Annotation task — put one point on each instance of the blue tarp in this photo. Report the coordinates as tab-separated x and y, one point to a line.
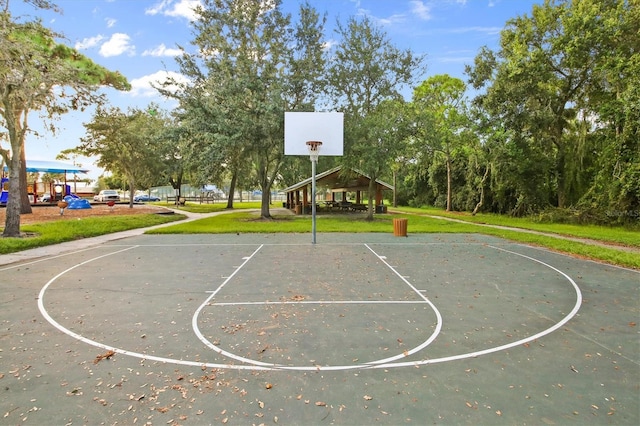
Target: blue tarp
78	204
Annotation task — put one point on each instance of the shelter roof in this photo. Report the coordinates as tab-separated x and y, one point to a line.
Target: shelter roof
52	167
335	180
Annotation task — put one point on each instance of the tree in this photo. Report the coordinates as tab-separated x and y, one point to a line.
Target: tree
367	70
614	122
125	143
32	64
252	65
544	77
442	118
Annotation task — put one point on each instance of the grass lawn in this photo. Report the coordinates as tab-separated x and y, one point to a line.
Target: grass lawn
48	233
420	221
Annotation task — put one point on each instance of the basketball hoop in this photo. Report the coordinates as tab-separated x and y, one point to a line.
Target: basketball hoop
314	150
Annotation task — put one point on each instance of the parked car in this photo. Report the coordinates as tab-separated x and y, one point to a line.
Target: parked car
107	195
143	198
45	198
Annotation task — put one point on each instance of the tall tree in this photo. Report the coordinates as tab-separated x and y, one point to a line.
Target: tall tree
252	65
614	121
442	118
544	76
366	70
32	64
129	144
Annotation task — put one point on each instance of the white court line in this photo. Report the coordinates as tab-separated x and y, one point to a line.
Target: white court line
404	354
265	366
543	333
196	314
81	338
322	302
436	332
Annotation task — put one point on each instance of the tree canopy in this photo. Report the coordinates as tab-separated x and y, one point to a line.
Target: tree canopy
37	73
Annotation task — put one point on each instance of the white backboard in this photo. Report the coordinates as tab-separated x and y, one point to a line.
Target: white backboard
326	127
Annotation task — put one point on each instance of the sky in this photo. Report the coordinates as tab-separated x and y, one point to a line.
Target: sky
139	38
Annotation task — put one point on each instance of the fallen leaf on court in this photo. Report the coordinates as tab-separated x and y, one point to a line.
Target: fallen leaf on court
574	369
368	398
632	324
260	404
162	409
105	355
268	385
321	404
499	412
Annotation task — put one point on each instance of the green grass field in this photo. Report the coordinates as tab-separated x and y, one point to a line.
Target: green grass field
245	219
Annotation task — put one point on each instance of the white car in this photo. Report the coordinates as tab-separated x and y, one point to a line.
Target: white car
107	195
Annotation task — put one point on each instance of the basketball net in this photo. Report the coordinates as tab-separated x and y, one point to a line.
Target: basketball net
314	150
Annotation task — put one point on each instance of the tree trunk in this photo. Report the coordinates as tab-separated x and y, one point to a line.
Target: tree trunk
484	178
232	190
12	213
264	208
395	188
562	181
132	190
25	204
372	196
448	184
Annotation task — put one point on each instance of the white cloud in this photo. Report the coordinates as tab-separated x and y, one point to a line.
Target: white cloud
117	45
421	10
87	43
110	22
393	19
162	51
142	87
175	8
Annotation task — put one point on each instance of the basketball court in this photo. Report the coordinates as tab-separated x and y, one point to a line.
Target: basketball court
356	329
353	329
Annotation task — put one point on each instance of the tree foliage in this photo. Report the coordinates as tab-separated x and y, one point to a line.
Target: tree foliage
442	121
37	73
252	64
365	78
555	85
128	144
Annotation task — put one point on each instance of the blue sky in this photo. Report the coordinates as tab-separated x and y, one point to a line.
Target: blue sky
139	38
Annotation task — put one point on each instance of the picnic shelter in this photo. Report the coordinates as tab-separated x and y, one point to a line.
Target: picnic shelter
333	189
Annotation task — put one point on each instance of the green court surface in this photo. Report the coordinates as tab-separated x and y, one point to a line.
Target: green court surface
357	329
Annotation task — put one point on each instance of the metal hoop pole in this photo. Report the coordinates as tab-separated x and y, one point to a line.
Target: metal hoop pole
314	152
314	161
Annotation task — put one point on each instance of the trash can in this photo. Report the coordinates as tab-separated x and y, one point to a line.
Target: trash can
400	227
